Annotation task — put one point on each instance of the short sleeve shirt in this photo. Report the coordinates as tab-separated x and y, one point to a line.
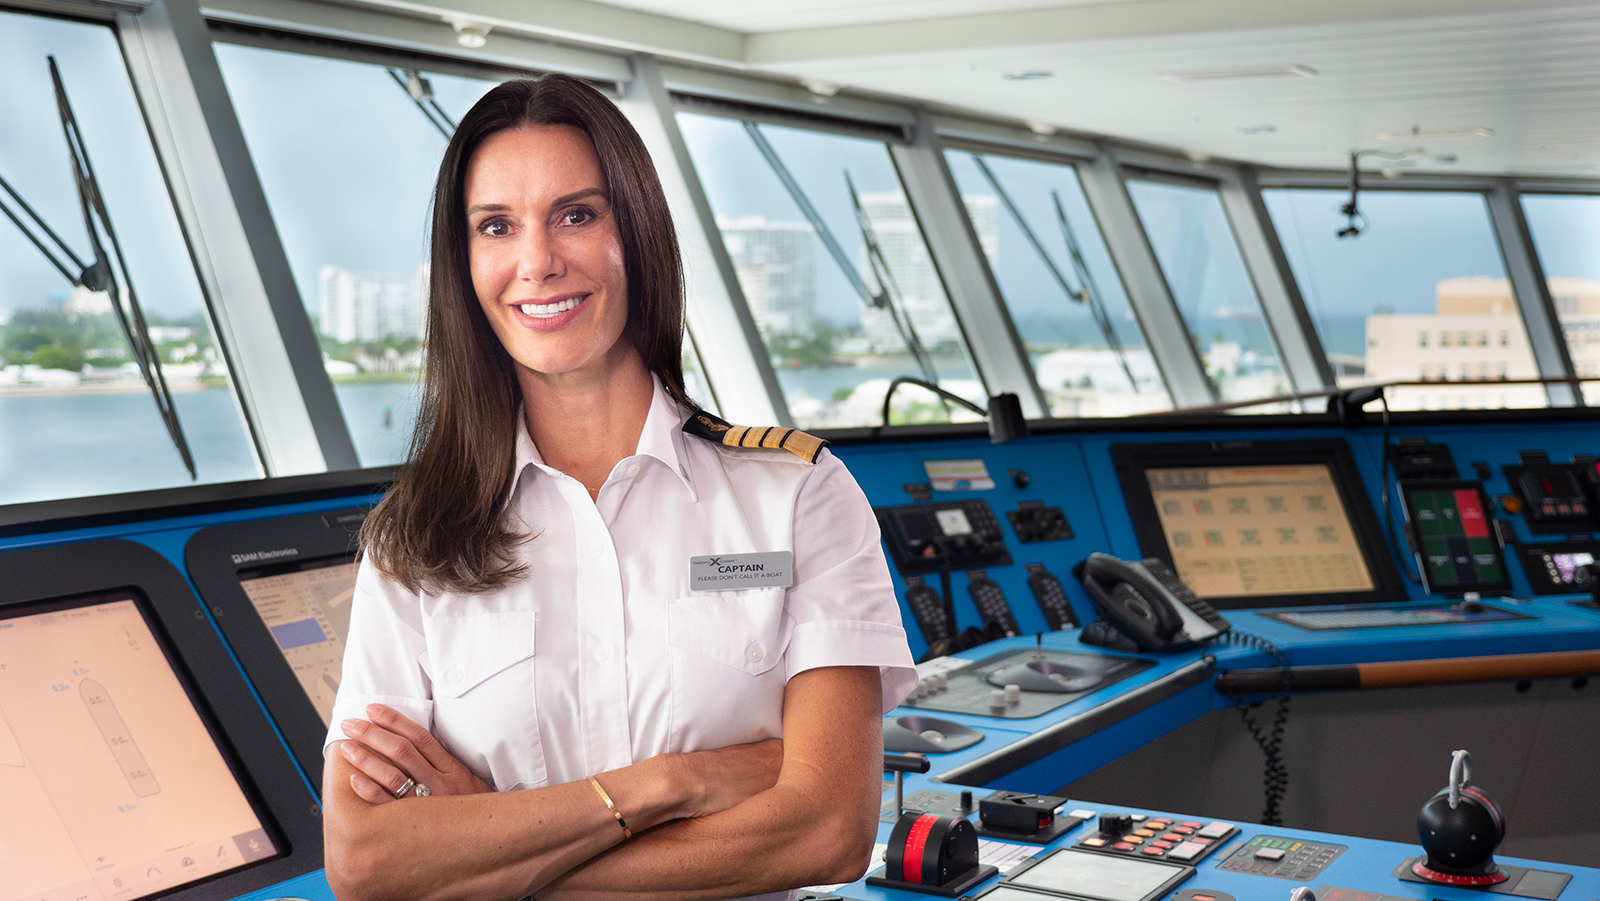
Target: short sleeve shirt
603	655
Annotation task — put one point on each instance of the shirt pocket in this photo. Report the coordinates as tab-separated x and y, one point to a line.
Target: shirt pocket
727	681
483	671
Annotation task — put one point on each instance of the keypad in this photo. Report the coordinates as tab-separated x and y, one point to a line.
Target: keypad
1161	837
1282	858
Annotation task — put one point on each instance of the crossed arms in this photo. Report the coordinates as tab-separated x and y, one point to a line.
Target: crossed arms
713	824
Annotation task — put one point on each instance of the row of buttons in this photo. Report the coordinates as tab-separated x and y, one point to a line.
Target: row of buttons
1161	837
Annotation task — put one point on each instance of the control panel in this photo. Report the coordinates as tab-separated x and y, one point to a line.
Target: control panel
926	538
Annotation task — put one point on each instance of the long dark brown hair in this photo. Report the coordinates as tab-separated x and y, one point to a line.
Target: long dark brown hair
442	526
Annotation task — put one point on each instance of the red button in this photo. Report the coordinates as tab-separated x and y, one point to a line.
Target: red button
1183	830
1190	823
1159	824
1153	852
1201	841
1172	837
1123	846
1162	845
1199	897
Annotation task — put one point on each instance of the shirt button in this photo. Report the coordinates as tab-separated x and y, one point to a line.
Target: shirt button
455	675
603	653
755	652
597	549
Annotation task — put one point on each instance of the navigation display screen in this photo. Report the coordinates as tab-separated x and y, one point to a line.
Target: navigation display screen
1456	548
1105	877
111	786
1250	531
306	607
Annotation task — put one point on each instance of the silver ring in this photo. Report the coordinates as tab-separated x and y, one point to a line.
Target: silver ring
422	790
405	788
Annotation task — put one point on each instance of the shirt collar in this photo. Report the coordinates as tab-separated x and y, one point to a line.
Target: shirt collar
662	438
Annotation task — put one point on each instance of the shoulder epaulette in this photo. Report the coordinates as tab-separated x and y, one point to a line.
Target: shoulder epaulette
719	431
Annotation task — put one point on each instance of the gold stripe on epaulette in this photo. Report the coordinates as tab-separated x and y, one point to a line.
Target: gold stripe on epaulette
711	428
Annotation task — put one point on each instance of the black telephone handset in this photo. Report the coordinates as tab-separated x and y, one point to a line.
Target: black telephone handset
1148	603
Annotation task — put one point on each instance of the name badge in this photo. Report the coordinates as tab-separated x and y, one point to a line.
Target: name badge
728	571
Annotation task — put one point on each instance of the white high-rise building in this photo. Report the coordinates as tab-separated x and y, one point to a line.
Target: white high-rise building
912	269
371	306
776	263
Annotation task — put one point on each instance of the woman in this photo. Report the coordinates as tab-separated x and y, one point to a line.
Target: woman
528	614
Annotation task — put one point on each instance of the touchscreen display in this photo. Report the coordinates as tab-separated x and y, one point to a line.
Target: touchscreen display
1456	548
306	607
1566	565
1244	531
111	787
1099	876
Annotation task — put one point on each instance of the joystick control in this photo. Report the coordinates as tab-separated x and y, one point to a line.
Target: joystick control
1460	827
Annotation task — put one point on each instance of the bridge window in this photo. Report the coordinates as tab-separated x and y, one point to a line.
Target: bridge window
347	153
1565	227
1060	287
834	269
1205	271
78	416
1426	261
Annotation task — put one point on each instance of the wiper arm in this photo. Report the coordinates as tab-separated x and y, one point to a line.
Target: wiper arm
42	226
1091	292
421	94
99	276
880	299
891	290
1084	293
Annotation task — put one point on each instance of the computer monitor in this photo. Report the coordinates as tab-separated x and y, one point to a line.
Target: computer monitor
280	589
1259	523
133	761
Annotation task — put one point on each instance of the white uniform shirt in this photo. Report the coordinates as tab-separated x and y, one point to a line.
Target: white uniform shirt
602	656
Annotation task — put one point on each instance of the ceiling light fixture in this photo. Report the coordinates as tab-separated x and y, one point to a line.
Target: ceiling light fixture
1192	75
1258	129
1042	129
469	33
1028	75
819	87
1415	132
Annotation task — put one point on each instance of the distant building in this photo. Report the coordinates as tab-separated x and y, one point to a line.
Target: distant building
1474	338
367	306
912	269
776	263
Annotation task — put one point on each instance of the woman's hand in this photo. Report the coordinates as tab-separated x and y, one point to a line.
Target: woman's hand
391	749
727	776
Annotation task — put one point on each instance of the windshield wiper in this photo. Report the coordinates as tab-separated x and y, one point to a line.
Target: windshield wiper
882	299
99	275
1086	293
421	93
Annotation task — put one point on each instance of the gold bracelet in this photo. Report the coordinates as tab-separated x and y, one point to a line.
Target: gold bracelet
626	832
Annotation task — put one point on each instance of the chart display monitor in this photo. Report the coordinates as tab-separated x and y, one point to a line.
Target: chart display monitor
1261	524
1101	877
306	607
113	786
1452	531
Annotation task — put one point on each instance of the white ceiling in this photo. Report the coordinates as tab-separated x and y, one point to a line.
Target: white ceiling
1528	70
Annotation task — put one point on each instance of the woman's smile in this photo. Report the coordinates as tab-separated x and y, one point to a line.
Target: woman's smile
550	315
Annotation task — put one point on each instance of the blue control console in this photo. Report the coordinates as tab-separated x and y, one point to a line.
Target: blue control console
968	545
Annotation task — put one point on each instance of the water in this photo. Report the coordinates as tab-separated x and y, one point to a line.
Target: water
83	443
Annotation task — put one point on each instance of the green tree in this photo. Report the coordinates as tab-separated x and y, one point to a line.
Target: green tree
54	356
